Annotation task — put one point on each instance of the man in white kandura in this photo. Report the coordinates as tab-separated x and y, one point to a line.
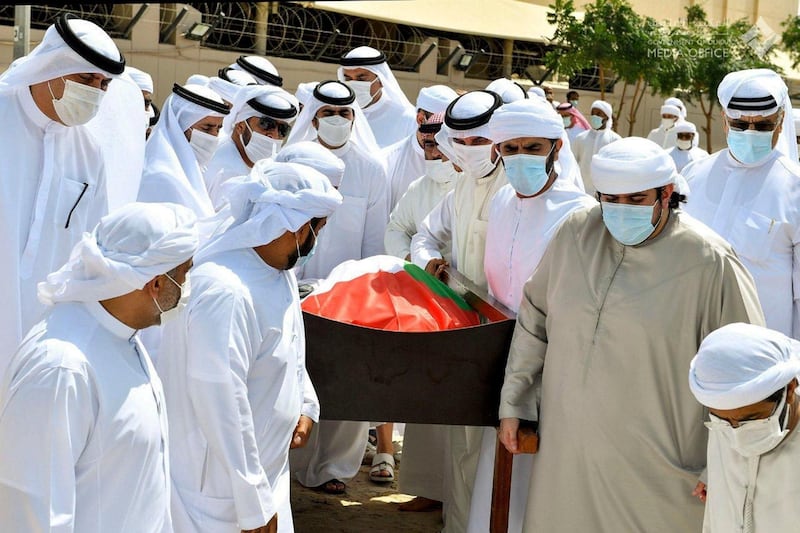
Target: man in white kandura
83	427
523	217
749	193
389	113
461	218
54	175
591	141
747	378
180	147
235	379
333	119
258	124
685	150
606	328
664	134
405	159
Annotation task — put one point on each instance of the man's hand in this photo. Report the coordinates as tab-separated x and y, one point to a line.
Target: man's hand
700	491
301	432
508	434
271	527
435	267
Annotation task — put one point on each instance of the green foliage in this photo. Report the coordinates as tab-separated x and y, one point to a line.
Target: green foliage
790	39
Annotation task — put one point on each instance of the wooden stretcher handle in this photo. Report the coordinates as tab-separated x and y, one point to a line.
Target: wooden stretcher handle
528	442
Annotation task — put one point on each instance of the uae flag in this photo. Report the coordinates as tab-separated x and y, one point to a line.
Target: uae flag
388	293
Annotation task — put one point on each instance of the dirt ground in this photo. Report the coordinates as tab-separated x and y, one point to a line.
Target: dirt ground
364	507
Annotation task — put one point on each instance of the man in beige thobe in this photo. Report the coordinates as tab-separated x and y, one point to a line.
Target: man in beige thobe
609	322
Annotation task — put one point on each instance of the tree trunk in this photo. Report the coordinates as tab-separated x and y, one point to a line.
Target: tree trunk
632	112
635	107
602	83
707	114
618	114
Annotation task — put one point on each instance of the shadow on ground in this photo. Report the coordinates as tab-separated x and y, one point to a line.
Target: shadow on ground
365	507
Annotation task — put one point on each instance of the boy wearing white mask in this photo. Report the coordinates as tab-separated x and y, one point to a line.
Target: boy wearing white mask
259	123
685	150
391	116
530	137
591	141
331	118
747	378
749	193
54	172
181	145
596	327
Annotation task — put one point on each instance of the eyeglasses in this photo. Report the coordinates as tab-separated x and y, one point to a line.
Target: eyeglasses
267	124
742	125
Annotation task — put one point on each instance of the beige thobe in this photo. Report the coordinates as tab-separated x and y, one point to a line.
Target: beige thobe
611	329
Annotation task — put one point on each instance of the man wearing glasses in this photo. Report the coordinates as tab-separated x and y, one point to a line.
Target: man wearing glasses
749	193
259	122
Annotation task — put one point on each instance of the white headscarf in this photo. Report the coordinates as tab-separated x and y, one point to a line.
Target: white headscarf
668	109
260	68
508	90
316	156
168	155
677	103
605	107
269	95
228	89
537	92
391	89
141	78
304	91
361	134
53	57
535	117
436	98
685	127
273	199
755	83
796	119
466	106
197	79
634	164
742	364
127	249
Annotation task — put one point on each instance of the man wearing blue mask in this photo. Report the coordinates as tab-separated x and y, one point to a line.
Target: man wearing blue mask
747	378
235	379
592	140
524	215
616	309
749	193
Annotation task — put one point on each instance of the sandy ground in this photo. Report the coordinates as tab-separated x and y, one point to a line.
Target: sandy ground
364	507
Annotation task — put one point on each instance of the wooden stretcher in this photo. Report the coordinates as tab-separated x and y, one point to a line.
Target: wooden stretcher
448	377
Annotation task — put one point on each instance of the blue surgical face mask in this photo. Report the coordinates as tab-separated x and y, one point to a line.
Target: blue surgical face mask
574	103
303	259
596	122
750	146
527	173
629	224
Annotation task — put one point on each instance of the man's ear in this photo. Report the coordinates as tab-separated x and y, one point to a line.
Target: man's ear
153	287
315	123
557	148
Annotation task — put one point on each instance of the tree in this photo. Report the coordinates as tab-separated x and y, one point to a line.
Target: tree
714	51
620	43
790	39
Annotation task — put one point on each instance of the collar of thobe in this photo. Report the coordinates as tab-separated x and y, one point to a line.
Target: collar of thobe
108	321
32	110
342	150
264	267
377	107
767	160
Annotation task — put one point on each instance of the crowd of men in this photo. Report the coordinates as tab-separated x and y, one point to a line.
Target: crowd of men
152	362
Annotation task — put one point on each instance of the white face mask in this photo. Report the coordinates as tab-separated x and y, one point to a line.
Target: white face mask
440	171
475	160
260	146
171	314
683	145
667	123
79	103
754	437
204	145
362	90
334	130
